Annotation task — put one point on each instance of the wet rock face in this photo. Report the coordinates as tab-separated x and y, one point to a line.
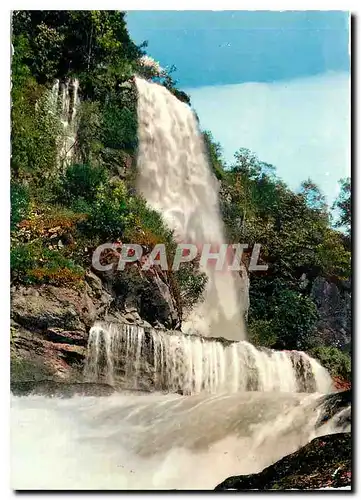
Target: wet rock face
49	329
50	325
336	407
324	462
60	389
334	306
145	294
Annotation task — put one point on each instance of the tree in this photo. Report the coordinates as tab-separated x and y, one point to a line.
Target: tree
343	206
214	153
94	45
315	199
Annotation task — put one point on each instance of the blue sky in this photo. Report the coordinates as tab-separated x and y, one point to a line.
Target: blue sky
274	82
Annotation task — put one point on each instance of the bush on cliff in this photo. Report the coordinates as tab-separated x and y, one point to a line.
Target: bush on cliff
20	202
32	263
337	363
80	181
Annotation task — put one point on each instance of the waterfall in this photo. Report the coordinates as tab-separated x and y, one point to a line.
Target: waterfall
175	179
128	355
64	102
215	406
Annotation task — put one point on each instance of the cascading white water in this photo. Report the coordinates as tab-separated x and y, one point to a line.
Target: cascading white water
190	364
175	179
64	101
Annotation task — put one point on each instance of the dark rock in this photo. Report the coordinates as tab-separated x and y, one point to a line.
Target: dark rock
333	301
50	326
60	336
50	307
59	389
332	406
324	462
33	354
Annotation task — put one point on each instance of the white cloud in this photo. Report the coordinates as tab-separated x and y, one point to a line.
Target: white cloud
300	126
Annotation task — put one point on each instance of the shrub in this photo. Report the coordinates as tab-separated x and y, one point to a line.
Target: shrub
81	182
89	132
57	276
282	314
262	333
338	363
150	227
20	203
22	259
190	283
120	127
109	213
31	263
50	221
35	134
295	319
116	215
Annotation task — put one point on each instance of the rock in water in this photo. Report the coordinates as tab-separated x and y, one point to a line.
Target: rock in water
324	462
336	408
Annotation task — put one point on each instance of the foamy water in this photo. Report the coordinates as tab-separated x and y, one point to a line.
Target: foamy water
154	441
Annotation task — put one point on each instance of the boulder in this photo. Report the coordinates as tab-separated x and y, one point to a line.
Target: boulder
324	462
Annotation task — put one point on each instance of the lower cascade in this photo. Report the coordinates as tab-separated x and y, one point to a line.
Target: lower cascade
146	358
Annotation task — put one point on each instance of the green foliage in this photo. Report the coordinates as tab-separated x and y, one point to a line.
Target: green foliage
108	214
105	130
334	360
20	72
81	182
262	333
281	317
191	284
313	196
92	44
22	259
35	134
151	220
115	215
34	263
343	205
20	201
333	256
294	320
119	127
89	133
293	229
214	153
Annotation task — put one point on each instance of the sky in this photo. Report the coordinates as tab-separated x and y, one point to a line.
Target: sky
273	82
